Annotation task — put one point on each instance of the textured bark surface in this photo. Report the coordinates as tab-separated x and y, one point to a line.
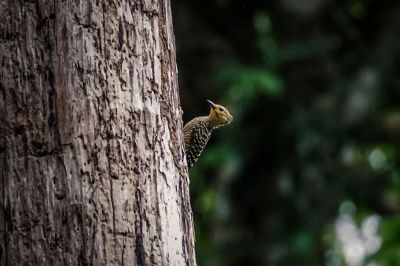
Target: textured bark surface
92	166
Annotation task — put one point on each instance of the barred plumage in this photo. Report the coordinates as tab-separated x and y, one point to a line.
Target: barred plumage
198	131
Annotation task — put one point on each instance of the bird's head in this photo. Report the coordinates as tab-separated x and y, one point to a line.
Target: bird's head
219	115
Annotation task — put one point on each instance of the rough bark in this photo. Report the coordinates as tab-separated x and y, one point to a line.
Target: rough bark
92	166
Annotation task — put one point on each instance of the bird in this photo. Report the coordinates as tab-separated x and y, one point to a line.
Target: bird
198	131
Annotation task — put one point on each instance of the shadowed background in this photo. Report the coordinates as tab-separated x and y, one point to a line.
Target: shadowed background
308	173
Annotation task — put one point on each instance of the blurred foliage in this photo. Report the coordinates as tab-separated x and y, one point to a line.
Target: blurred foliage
315	90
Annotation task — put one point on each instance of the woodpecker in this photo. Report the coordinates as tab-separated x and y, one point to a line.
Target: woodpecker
197	132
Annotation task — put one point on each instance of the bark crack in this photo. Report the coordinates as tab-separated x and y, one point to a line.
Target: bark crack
106	98
112	201
139	248
4	206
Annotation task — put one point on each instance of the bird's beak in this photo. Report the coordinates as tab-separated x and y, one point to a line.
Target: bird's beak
211	104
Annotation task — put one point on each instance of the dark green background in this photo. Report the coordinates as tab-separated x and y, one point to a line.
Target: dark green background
315	90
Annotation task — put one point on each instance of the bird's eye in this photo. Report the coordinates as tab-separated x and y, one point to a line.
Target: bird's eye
220	109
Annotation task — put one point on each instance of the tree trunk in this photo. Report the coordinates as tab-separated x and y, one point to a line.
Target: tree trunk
92	164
